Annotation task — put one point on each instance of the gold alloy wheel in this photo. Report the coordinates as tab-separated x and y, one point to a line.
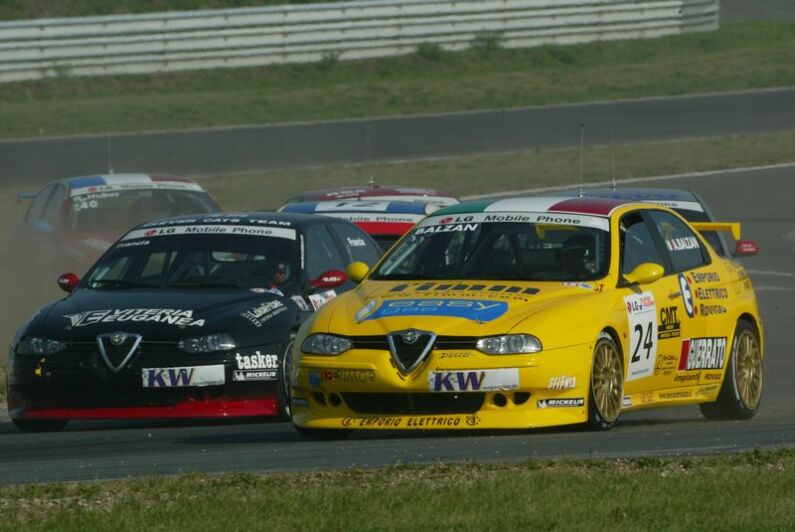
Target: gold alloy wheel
748	369
607	381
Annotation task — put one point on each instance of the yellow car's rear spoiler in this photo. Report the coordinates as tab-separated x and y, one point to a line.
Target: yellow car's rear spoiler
733	227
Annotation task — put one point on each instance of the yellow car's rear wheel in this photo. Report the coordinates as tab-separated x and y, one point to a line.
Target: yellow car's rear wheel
741	392
607	384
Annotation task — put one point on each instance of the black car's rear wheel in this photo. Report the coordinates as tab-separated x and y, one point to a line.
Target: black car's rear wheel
39	425
607	384
741	391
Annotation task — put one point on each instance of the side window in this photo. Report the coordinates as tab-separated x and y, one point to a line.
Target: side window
52	211
37	208
682	244
637	244
356	244
321	252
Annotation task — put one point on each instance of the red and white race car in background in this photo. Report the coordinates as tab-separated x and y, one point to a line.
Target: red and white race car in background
72	221
377	193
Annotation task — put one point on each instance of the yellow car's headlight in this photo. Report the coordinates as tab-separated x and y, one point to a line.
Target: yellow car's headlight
325	344
509	344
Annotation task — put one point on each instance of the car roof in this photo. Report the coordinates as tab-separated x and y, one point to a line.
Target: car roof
540	204
358	206
355	192
121	179
667	197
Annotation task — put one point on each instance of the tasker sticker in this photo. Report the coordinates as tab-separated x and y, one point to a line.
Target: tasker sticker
687	295
642	321
160	315
262	313
318	300
480	310
702	353
182	377
562	383
574	402
474	381
257	361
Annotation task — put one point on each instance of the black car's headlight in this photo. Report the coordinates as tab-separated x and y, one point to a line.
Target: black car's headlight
33	345
509	344
325	344
207	344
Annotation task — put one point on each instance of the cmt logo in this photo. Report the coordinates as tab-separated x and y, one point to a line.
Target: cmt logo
458	381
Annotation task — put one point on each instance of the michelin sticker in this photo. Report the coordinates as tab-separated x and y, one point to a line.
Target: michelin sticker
480	310
642	324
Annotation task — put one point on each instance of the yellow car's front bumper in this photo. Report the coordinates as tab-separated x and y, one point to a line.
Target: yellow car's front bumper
363	389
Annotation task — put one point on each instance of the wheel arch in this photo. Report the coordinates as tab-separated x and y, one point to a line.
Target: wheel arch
751	319
613	333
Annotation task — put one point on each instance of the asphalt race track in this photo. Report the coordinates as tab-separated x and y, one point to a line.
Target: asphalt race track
761	199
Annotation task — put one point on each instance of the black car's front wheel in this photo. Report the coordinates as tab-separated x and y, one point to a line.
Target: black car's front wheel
285	368
39	425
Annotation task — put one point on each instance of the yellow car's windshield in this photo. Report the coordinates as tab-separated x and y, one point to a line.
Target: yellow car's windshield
499	251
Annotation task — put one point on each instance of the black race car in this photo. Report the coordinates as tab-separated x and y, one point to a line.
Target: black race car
185	317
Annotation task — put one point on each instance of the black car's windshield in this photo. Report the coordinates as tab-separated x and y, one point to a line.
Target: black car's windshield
199	260
118	210
500	250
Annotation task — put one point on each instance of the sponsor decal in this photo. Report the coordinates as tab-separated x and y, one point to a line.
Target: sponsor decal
474	381
642	324
133	244
260	290
361	205
711	310
682	244
448	228
646	398
670	326
183	318
257	361
364	312
299	402
263	312
202	229
480	310
682	394
183	377
346	376
452	354
301	303
708	390
414	422
356	242
134	185
702	353
264	375
687	377
500	291
318	300
584	286
710	376
568	402
705	277
687	295
562	383
665	364
712	293
626	402
597	222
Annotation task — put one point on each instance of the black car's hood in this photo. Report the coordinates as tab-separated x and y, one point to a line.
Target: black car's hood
166	314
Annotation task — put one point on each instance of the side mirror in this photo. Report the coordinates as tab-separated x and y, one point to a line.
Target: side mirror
645	273
68	282
330	279
746	248
357	271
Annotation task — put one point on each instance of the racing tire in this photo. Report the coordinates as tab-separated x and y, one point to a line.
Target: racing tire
323	434
39	425
283	384
606	388
741	392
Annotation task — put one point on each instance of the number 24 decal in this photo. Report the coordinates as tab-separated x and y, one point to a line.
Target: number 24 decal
644	337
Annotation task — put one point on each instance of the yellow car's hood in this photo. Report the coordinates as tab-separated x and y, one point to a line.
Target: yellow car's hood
456	308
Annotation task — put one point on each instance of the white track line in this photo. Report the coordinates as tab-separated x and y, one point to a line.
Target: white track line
773	289
620	182
775	274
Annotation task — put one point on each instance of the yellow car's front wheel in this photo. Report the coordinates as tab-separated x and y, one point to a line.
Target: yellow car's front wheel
607	384
741	392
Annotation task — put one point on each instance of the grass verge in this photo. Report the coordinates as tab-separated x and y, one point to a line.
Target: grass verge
428	81
517	171
744	492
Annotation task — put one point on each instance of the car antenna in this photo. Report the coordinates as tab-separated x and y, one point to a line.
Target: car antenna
582	150
613	157
110	155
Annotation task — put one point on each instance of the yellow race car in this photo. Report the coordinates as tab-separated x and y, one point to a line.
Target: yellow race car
533	312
